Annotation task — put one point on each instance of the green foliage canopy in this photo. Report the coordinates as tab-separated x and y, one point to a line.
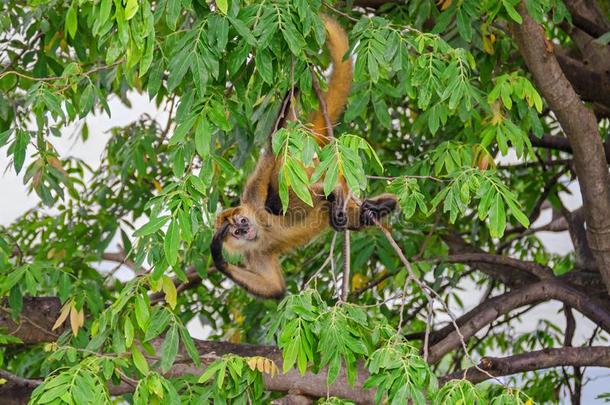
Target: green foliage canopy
438	93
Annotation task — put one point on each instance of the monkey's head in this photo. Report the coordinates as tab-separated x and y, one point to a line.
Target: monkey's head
237	231
240	232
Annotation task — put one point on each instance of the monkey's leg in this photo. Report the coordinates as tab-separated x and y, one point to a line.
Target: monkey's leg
264	280
258	184
255	192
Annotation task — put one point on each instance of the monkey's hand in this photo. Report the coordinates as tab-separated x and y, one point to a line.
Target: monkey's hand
374	209
216	247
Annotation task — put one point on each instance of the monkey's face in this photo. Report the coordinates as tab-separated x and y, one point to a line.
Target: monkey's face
238	230
241	228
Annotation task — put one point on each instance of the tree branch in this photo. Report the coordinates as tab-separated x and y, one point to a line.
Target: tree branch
309	384
590	84
588	17
508	275
470	323
580	126
35	321
566	356
533	268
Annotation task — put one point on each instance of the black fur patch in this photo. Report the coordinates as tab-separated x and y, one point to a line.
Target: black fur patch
273	204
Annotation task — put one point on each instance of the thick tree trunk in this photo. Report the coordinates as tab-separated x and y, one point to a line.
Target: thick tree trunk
580	126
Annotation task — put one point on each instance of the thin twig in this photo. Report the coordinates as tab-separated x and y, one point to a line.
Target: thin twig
169	120
346	256
407	176
54	78
23	51
128	380
349	17
332	266
346	265
402	305
428	328
428	291
326	262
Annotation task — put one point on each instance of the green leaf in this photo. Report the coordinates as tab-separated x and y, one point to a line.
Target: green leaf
223	6
147	58
333	370
189	345
510	9
152	226
299	181
71	21
173	12
19	148
169	289
200	73
141	311
225	165
131	8
172	243
129	332
497	219
169	349
178	67
139	360
210	371
198	184
203	136
158	322
517	213
181	130
105	7
86	100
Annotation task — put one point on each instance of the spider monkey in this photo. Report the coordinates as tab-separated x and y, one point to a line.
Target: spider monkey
257	230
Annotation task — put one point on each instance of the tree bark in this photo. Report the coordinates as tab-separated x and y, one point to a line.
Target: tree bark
598	356
35	322
580	126
587	16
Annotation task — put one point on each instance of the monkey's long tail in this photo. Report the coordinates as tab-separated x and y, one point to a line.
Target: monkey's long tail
340	80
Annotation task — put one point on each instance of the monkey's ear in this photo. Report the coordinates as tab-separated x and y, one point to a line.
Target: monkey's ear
225	215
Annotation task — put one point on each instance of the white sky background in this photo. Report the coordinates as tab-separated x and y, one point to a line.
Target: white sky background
16	201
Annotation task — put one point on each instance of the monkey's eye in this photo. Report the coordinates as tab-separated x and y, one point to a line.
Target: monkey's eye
243	220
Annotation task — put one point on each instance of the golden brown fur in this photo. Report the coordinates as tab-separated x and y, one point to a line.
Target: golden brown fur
258	232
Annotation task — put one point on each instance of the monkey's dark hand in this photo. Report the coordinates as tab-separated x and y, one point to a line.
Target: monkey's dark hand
374	209
216	247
